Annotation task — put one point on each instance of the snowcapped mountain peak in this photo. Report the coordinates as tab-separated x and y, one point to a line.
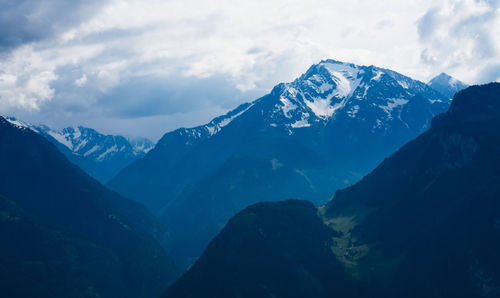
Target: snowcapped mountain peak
333	89
89	143
102	156
324	88
446	84
445	78
330	76
329	93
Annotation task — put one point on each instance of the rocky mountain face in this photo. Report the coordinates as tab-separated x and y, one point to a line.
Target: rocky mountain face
424	223
64	234
101	156
304	140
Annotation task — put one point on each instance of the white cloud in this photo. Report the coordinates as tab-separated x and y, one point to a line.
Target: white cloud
81	81
27	94
27	74
25	80
461	37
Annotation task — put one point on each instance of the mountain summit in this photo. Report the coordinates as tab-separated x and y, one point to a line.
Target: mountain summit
446	84
328	92
332	90
304	140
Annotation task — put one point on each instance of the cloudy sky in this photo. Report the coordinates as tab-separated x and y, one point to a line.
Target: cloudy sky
144	67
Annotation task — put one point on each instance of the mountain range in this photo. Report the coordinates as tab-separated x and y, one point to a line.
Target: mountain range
417	225
101	156
64	234
424	223
305	139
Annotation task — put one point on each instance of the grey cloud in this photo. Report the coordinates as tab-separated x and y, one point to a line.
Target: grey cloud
136	96
150	63
460	36
490	73
24	21
146	106
146	96
427	57
427	24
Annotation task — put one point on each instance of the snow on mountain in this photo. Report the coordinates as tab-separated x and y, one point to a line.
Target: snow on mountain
446	85
329	92
140	145
61	138
218	123
89	143
19	123
331	88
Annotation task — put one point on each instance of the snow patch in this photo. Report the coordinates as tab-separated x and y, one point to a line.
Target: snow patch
392	103
345	76
346	80
303	122
366	90
453	82
81	145
353	111
144	148
19	124
403	84
287	106
377	76
214	128
211	130
63	139
325	87
77	133
433	101
323	108
112	149
344	87
92	150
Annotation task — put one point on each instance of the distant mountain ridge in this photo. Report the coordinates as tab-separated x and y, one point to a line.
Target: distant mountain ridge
317	134
424	223
102	156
